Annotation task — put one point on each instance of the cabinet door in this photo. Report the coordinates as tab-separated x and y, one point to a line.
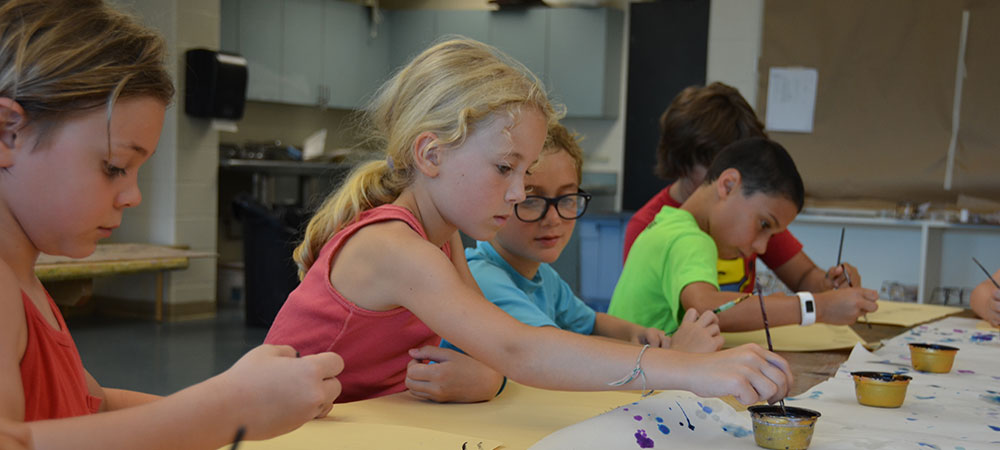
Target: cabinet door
302	51
584	60
522	35
472	24
410	32
260	42
229	26
354	63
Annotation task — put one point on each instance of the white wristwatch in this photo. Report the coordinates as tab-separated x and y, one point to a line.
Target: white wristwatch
808	307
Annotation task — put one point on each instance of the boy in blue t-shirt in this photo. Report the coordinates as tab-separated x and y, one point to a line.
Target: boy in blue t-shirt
513	272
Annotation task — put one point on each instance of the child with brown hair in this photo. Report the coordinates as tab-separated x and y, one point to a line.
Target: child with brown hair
83	94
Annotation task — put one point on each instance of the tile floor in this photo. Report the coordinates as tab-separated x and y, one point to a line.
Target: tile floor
163	358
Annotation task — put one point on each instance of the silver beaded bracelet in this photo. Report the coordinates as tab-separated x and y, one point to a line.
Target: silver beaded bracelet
636	372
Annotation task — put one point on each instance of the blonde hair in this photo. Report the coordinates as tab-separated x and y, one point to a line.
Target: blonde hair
449	89
560	138
59	57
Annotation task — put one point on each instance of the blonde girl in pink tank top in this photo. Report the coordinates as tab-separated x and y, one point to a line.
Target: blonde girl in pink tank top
460	126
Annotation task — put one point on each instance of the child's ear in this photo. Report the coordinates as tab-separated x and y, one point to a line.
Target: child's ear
427	153
12	119
728	182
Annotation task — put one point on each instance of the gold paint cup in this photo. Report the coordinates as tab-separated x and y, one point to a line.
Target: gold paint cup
882	389
775	429
932	357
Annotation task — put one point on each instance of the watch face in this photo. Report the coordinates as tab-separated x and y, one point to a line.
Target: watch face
809	306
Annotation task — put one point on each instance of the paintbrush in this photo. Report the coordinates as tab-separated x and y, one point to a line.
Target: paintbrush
239	437
731	303
840	251
767	332
987	272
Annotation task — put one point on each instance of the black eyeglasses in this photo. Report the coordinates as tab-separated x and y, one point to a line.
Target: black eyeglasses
535	207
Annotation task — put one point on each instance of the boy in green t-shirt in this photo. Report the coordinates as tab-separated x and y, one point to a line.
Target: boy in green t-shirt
751	192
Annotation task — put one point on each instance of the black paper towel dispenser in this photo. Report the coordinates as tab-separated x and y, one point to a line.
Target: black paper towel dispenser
215	85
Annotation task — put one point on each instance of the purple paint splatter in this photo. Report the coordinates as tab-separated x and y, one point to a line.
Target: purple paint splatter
965	371
637	418
663	429
624	409
642	440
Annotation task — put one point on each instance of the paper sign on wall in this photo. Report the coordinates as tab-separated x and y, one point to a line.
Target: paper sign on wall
791	99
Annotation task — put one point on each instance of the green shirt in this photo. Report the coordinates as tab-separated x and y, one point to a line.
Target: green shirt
671	253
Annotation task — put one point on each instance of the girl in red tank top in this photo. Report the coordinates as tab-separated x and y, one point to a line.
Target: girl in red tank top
83	95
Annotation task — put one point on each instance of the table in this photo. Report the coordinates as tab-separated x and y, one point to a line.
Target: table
523	415
117	259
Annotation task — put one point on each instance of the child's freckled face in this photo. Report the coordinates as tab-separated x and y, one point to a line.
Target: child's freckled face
68	191
483	178
743	224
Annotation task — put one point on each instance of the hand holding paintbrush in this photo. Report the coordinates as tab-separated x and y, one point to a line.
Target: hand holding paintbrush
767	332
973	303
847	275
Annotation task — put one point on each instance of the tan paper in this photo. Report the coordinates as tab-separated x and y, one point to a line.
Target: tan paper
984	325
905	314
336	435
796	338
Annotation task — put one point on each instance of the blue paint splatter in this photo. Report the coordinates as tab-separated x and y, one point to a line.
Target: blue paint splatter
663	429
705	408
923	444
925	398
737	431
911	419
690	427
659	420
637	417
994	428
642	440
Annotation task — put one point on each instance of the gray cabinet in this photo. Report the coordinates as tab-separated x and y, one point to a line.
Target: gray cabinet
321	52
260	42
522	35
354	63
584	60
302	52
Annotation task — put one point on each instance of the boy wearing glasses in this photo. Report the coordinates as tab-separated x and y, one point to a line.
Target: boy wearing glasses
512	271
513	268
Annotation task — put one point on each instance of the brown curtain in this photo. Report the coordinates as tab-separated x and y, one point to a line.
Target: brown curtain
883	118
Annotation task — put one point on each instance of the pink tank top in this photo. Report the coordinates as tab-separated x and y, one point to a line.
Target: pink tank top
52	374
374	344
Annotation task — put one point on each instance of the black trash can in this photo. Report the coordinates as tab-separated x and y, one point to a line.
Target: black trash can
269	237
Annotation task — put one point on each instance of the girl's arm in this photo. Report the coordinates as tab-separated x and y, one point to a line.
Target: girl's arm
623	330
461	265
985	301
838	307
426	283
112	399
268	391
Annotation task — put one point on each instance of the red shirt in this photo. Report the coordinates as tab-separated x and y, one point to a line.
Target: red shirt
374	344
780	248
52	373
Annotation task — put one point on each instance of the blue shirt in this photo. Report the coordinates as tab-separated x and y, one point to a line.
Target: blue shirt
545	300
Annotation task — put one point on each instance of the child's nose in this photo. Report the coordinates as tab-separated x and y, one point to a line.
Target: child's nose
515	193
760	245
129	197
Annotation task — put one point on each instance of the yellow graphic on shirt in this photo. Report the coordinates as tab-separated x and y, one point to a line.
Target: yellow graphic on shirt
732	275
